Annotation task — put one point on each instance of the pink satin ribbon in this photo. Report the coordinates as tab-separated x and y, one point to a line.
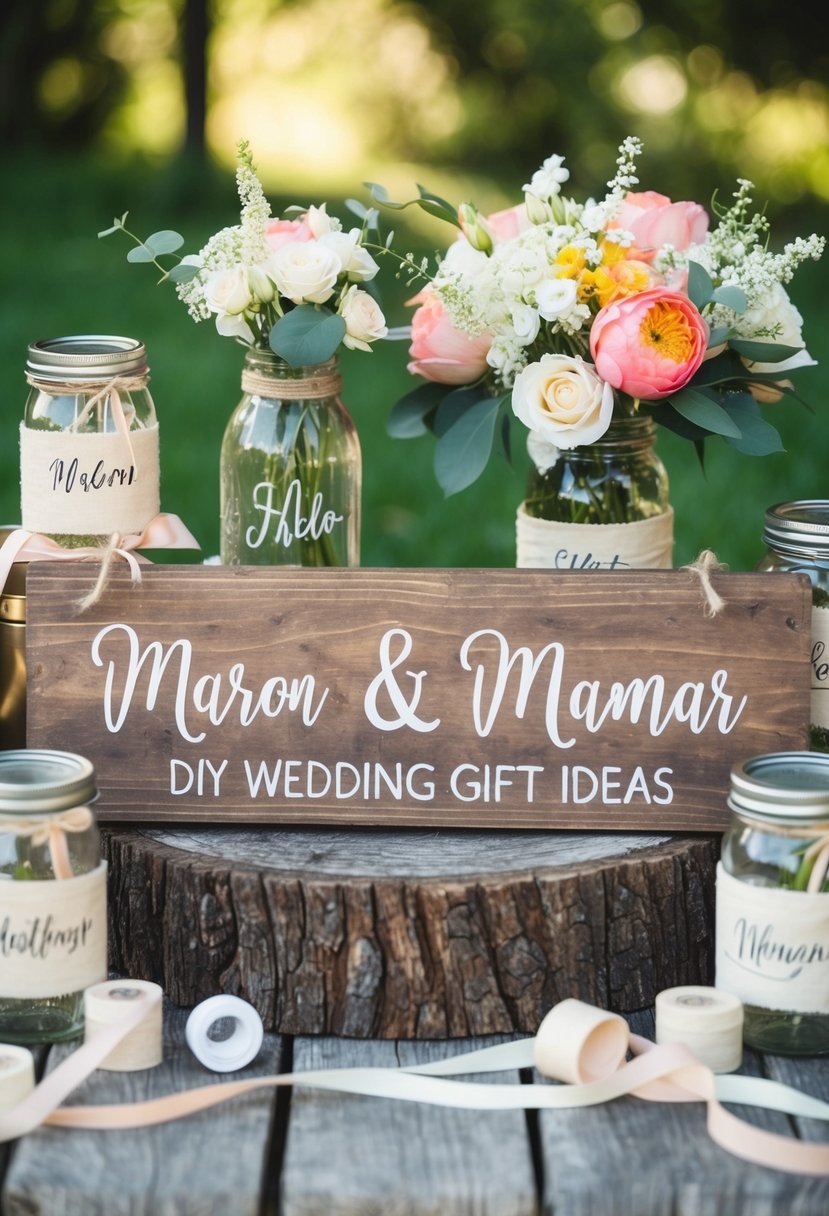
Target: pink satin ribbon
165	531
665	1073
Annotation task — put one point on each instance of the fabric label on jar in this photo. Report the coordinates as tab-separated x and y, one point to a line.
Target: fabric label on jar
88	483
645	544
772	946
820	667
53	935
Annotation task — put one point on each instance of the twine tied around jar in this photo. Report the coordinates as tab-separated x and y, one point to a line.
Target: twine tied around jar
704	566
52	829
112	389
307	388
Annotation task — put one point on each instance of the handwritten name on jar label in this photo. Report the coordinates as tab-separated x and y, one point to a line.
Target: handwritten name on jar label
772	945
53	935
287	520
820	667
551	544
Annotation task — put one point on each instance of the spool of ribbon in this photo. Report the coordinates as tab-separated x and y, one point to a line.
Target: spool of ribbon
707	1020
104	1006
574	1038
17	1074
241	1045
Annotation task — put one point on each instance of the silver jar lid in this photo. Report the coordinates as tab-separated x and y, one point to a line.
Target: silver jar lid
86	357
788	786
33	780
800	528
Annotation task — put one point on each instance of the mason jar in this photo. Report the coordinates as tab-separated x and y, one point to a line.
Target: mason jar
53	939
796	535
89	462
602	505
772	932
290	469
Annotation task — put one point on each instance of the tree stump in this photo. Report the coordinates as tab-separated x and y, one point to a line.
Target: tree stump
411	934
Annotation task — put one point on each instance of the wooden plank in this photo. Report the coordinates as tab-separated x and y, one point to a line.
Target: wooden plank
656	1159
463	698
210	1164
352	1156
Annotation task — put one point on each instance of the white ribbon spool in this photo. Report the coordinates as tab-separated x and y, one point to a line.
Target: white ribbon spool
239	1048
109	1002
17	1074
578	1043
707	1020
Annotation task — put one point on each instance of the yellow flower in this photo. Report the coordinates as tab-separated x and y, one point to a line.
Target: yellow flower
570	262
597	286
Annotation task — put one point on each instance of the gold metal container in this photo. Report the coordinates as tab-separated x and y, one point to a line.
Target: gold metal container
13	655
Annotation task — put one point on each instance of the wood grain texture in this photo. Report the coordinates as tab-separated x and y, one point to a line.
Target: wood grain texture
423	950
458	698
353	1156
210	1164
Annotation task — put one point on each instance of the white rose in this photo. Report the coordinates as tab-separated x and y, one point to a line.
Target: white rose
461	258
777	314
320	222
356	262
234	327
228	291
563	399
364	322
526	323
304	271
556	298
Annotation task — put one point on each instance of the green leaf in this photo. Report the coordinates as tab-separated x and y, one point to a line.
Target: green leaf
183	273
700	286
356	208
732	297
724	367
307	335
431	203
718	335
763	352
704	412
455	404
665	414
462	452
117	226
757	436
140	253
506	436
409	416
164	242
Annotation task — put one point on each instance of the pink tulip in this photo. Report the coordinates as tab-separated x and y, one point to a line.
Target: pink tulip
284	232
648	345
439	351
655	221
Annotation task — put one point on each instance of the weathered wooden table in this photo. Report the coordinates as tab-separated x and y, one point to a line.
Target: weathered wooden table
304	1153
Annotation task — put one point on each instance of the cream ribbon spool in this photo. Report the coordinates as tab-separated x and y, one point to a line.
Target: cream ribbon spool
105	1005
707	1020
17	1074
241	1046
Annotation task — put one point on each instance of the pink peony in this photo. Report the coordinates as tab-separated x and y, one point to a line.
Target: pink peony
655	221
439	351
504	225
648	345
284	232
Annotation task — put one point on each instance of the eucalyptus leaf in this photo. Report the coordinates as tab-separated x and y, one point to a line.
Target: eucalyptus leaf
409	416
140	253
307	335
356	208
183	273
664	413
704	412
732	297
166	241
718	334
462	452
700	286
455	404
430	203
757	436
763	352
506	436
725	367
117	226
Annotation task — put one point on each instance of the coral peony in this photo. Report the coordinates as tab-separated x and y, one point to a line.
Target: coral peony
440	352
655	221
649	345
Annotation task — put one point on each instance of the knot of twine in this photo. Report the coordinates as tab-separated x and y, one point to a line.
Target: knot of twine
262	385
52	830
704	566
114	547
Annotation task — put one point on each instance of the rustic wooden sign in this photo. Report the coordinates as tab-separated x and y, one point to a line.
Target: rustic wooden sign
462	698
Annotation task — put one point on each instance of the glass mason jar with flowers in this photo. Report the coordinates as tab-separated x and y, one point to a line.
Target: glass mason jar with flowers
290	291
590	323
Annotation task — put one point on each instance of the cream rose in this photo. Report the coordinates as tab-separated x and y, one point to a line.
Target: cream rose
305	272
228	291
364	322
563	400
356	262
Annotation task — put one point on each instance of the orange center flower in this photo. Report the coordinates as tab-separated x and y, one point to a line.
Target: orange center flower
668	331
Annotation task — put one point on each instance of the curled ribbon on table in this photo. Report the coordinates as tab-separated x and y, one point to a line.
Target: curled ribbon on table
578	1044
52	829
706	564
165	531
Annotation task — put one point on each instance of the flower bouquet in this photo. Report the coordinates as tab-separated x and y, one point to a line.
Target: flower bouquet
589	322
291	290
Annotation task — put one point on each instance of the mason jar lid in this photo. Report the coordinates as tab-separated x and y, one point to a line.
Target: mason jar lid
801	528
86	357
787	786
33	780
